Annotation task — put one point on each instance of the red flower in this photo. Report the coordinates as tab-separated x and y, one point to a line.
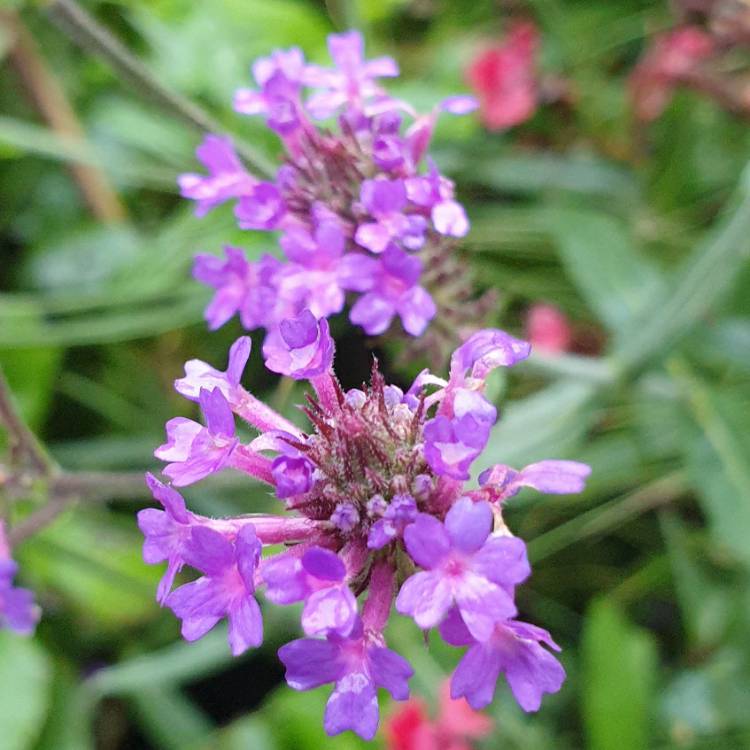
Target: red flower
504	79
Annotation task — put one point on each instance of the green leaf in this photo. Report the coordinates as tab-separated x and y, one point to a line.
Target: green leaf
705	606
718	460
548	424
170	718
619	667
96	564
70	716
535	172
252	731
25	678
702	282
600	258
31	374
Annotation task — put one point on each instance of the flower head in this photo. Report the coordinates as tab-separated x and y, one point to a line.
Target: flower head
346	194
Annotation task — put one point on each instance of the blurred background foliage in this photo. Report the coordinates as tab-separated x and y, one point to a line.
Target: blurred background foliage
640	235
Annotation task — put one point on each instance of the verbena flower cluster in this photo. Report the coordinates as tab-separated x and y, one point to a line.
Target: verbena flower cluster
18	612
361	211
379	514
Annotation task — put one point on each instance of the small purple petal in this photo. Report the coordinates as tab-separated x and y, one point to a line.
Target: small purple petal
468	524
427	541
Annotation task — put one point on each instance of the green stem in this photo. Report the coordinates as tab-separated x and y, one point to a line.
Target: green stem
608	516
91	36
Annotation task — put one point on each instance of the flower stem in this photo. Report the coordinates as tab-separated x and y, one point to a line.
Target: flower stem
91	36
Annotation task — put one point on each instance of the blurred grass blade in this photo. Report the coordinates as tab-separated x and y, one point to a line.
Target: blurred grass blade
536	172
545	425
171	665
719	460
170	719
608	516
599	256
619	669
25	683
705	278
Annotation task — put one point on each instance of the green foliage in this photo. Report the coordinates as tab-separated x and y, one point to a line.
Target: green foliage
642	239
25	677
619	669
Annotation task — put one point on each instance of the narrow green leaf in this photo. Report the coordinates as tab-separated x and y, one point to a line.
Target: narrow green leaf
601	259
547	424
718	460
619	669
170	718
704	279
252	732
25	679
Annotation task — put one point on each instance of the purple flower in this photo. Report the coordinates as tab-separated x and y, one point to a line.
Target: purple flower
352	82
401	511
319	579
226	178
263	208
226	590
292	474
301	348
166	532
463	566
18	612
484	351
358	665
194	451
394	291
312	280
241	287
452	445
200	375
435	193
551	477
386	201
345	517
279	78
512	648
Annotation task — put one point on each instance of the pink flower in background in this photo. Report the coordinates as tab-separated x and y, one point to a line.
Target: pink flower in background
548	329
456	724
504	79
667	61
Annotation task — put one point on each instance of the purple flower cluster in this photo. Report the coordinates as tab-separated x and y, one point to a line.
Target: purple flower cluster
378	515
18	612
353	203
